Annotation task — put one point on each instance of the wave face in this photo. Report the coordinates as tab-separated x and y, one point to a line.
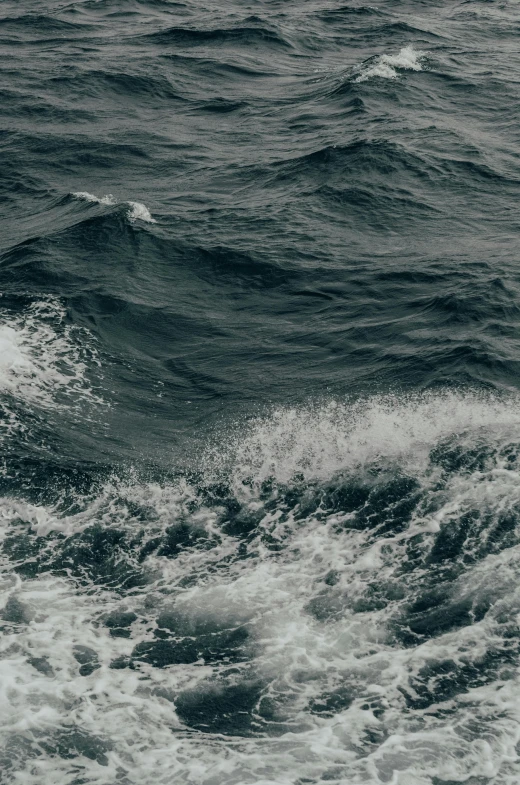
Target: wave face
259	393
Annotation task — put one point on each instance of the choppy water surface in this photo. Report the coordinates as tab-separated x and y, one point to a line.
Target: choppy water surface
259	397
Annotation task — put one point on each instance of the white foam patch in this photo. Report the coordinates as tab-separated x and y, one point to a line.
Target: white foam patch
14	363
139	212
43	360
311	643
86	197
388	66
321	440
136	212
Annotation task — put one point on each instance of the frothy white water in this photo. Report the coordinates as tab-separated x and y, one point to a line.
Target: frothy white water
136	212
43	360
85	196
319	441
140	212
14	363
388	66
342	697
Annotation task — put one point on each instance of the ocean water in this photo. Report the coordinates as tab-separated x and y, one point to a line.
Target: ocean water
259	392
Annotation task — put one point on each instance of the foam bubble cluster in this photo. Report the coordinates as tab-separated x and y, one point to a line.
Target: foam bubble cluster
388	66
87	197
44	361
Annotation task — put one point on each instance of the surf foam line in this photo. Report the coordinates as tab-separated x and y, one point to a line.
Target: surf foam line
343	608
136	211
388	66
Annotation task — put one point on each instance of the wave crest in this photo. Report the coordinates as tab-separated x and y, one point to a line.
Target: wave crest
137	210
388	66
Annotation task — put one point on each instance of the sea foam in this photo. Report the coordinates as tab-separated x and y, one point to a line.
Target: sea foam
329	677
140	212
137	210
85	196
388	66
43	360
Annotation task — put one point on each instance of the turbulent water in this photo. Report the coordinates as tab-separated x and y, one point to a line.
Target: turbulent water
259	392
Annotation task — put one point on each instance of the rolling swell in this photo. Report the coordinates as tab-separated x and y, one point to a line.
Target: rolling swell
99	83
244	36
38	22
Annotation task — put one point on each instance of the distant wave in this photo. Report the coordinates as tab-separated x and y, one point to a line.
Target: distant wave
41	23
137	210
130	86
388	66
346	12
243	34
108	199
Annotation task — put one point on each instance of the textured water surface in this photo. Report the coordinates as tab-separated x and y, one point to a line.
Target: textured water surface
259	392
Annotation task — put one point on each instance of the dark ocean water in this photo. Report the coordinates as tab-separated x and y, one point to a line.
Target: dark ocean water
259	392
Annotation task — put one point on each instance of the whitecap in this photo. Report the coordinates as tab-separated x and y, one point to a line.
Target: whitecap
139	211
87	197
43	360
317	441
14	362
388	66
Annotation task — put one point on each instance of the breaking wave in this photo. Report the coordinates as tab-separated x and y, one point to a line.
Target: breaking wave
389	66
136	211
340	602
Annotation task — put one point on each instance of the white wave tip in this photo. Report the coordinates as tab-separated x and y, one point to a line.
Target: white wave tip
387	66
137	211
107	199
140	212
